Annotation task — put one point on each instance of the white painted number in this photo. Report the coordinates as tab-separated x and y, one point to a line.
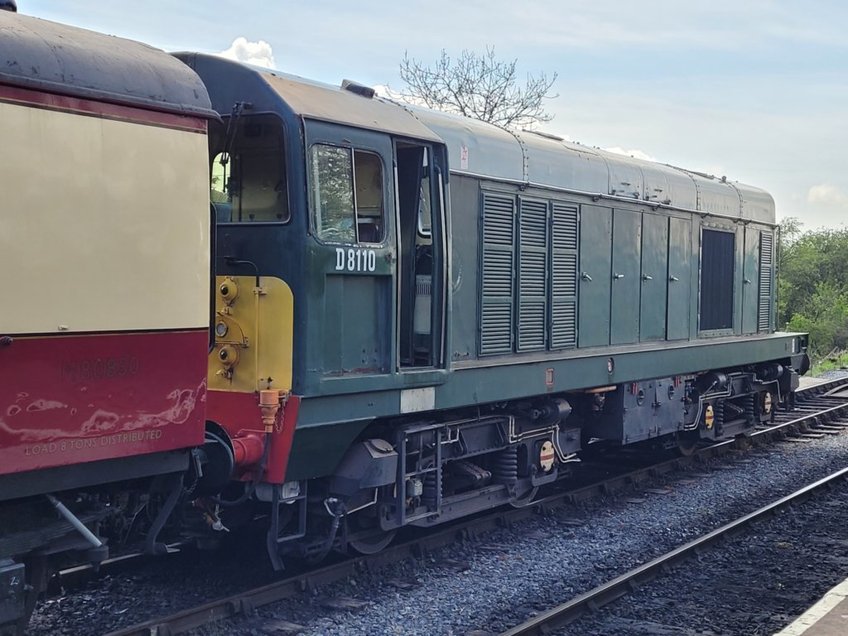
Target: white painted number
355	260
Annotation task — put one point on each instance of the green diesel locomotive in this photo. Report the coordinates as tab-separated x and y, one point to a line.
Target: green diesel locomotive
450	313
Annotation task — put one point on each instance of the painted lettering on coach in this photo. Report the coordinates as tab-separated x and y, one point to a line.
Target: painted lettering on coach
74	445
84	370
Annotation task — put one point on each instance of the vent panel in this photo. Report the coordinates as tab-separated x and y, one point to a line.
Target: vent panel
534	224
496	332
565	223
565	220
531	331
565	275
498	217
532	274
765	283
497	274
564	325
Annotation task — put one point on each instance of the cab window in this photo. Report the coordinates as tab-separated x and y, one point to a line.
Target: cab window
248	183
347	194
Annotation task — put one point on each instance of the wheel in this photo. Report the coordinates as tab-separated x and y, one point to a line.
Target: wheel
365	534
687	444
525	499
372	543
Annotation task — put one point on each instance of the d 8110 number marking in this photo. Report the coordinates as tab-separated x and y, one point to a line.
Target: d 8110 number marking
355	260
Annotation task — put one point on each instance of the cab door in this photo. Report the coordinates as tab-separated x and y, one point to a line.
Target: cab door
420	170
352	262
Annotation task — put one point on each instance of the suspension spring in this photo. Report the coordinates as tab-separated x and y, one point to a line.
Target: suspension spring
719	417
506	466
430	489
749	403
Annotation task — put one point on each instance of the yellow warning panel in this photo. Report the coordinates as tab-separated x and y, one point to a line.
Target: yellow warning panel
254	334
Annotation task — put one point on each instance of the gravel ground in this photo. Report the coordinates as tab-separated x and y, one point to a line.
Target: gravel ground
487	587
757	584
824	377
157	587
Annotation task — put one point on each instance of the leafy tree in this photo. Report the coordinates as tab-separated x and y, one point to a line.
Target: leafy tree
478	85
813	285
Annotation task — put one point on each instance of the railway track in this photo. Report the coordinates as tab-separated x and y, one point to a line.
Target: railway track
560	616
816	415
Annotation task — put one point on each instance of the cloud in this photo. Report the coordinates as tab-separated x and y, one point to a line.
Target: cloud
827	194
635	153
255	53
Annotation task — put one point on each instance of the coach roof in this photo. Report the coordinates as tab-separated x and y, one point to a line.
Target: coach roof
57	58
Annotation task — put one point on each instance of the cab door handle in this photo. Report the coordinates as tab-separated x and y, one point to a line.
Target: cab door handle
647	277
673	278
617	276
585	276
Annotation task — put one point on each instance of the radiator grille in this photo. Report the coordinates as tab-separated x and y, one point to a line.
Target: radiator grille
532	274
766	268
564	241
564	325
496	303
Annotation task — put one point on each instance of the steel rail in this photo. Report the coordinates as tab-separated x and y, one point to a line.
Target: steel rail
555	618
244	603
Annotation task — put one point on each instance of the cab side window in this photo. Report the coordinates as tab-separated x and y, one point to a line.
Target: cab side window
249	182
347	194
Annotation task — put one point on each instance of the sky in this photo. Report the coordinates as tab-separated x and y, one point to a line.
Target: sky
755	90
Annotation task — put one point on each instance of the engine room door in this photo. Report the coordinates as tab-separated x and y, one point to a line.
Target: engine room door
595	263
654	276
626	269
679	272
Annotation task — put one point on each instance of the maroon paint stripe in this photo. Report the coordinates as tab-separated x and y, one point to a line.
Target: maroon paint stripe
80	106
67	400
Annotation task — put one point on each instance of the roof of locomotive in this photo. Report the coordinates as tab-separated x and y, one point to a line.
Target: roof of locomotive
305	98
482	149
57	58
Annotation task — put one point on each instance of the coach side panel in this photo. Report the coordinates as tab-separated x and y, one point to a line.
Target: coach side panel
104	244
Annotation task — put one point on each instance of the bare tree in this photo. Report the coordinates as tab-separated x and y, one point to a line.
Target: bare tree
478	85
